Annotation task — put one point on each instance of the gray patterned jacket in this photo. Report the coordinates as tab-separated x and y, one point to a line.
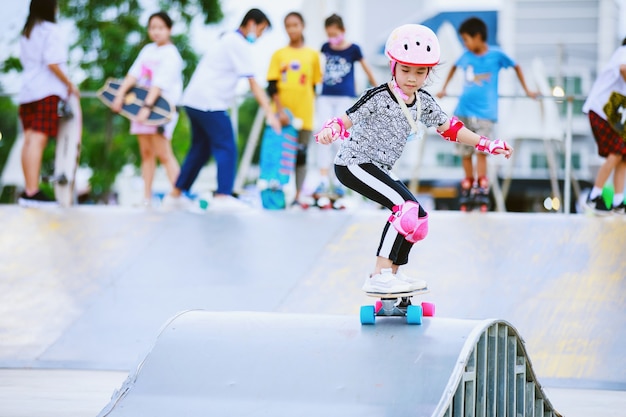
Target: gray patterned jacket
380	129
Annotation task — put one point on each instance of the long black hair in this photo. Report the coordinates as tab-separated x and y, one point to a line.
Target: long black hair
40	10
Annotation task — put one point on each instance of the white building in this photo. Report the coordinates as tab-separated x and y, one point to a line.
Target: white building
557	43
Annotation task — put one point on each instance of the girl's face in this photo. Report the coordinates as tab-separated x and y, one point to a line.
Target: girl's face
335	34
294	28
410	79
158	31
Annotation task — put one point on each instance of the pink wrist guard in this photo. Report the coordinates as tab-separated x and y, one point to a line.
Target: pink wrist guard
451	133
343	132
490	146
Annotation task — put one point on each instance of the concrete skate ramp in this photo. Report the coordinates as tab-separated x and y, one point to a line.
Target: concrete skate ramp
89	287
269	364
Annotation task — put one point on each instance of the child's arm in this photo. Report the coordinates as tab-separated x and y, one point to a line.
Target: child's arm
334	129
442	93
368	72
71	88
128	82
520	76
148	103
453	130
264	103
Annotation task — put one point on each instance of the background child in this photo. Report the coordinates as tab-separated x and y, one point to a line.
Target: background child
159	67
610	144
293	73
382	120
208	97
43	55
478	103
338	90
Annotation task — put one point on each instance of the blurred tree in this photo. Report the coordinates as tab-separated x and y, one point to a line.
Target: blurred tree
110	35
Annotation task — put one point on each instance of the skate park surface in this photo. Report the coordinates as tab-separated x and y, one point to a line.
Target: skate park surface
84	291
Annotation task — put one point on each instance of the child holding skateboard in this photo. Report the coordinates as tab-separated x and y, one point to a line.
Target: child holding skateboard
338	92
381	122
478	103
611	145
43	55
158	67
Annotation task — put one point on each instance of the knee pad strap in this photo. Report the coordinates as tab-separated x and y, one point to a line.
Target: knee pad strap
405	218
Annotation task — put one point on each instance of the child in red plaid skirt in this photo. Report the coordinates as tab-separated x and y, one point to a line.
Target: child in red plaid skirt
611	145
43	54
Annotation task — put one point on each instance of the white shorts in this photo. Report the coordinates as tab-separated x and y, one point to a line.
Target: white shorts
167	130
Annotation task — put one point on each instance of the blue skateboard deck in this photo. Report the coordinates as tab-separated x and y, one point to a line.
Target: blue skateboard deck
277	162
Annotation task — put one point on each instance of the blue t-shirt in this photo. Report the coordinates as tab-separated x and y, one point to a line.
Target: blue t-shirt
339	70
480	91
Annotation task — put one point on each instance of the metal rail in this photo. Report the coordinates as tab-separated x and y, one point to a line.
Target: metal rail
494	379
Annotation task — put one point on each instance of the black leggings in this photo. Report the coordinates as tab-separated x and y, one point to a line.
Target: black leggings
379	186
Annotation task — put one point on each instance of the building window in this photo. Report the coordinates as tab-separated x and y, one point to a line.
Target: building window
540	161
572	86
448	160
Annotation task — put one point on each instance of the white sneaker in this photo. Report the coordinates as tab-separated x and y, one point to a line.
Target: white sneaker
385	283
415	283
228	203
171	203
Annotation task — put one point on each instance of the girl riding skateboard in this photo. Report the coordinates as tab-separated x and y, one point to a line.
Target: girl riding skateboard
380	123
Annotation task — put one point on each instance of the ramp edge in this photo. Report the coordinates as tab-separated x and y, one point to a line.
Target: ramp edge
494	376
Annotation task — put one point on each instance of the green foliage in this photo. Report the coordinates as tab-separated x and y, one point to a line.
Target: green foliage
189	9
11	64
8	128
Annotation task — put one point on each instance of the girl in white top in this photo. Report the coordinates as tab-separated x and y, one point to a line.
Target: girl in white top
159	67
43	54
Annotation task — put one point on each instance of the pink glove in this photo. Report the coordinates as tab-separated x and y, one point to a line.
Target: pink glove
490	146
343	133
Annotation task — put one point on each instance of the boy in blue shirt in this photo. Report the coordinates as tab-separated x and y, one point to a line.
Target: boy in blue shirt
478	103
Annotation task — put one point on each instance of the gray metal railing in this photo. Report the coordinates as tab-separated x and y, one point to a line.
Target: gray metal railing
495	379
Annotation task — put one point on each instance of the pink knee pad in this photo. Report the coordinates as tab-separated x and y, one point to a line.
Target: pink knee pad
405	218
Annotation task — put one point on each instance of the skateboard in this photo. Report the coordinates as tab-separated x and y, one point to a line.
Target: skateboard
615	110
67	153
399	305
133	101
277	162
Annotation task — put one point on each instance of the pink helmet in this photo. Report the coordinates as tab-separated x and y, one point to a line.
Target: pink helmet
414	45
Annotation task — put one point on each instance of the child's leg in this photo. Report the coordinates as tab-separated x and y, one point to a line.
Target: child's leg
148	164
481	165
468	166
304	136
619	178
378	185
605	170
164	153
32	154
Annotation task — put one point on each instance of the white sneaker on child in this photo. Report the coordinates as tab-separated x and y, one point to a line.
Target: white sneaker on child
415	283
171	203
385	283
228	203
